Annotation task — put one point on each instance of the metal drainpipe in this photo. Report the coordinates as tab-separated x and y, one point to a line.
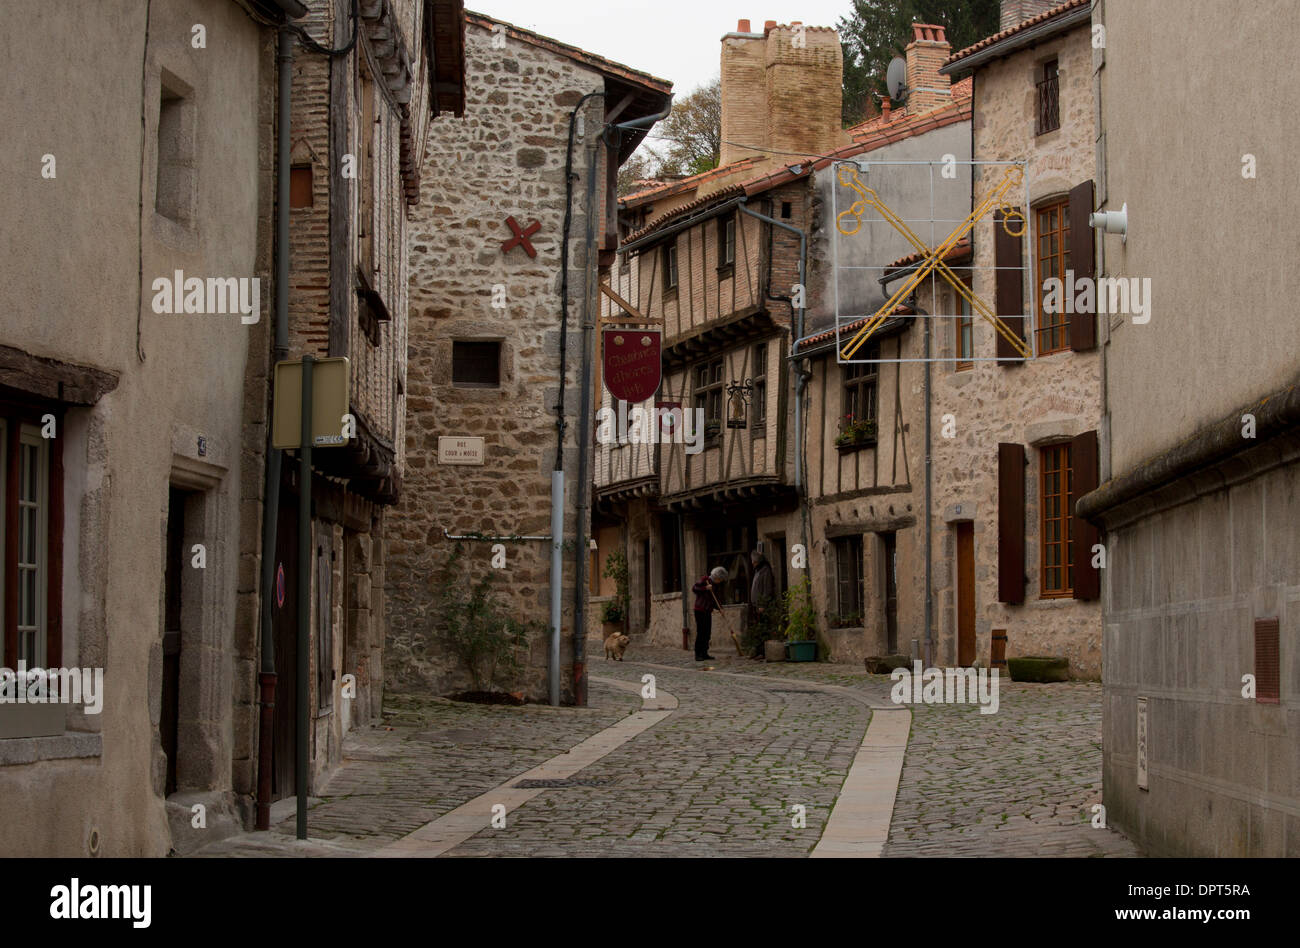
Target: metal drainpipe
929	530
274	457
800	381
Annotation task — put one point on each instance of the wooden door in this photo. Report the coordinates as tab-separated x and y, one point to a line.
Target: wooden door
284	605
965	594
891	590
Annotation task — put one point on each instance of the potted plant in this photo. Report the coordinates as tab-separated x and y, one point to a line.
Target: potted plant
613	615
855	432
800	624
847	620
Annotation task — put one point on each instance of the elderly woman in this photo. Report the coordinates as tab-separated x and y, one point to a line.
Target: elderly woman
706	600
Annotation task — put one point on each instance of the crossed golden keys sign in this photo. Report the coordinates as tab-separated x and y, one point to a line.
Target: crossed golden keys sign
1013	222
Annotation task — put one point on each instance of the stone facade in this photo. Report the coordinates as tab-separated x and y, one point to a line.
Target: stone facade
1036	404
1203	459
506	158
355	120
146	405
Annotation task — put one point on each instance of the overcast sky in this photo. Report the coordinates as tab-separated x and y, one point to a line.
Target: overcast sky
677	40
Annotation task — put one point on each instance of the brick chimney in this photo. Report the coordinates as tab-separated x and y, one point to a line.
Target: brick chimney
927	88
781	90
1015	12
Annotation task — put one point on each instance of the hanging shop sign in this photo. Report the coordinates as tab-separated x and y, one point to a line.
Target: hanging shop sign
631	363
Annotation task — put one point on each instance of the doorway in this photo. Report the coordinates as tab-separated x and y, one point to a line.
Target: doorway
284	612
173	618
890	541
965	594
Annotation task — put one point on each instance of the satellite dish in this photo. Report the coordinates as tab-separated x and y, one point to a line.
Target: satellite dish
896	80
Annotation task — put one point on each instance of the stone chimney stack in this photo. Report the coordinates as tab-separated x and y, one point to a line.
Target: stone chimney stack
1015	12
781	91
927	88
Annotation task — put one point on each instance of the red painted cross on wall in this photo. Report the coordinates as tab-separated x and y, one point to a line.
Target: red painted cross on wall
520	237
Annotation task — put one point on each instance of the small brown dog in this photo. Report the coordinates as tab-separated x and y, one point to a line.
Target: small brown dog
616	645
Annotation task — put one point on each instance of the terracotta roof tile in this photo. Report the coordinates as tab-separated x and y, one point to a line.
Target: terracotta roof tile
669	188
961	249
1012	31
852	327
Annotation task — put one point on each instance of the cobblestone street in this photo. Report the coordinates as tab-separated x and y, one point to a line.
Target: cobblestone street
720	774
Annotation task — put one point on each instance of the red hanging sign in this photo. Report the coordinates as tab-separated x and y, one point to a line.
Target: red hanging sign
631	363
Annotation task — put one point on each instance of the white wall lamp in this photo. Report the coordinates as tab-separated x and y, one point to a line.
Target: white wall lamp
1112	222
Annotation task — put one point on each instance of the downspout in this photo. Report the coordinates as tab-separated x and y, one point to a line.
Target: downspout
274	457
801	377
557	473
608	135
929	513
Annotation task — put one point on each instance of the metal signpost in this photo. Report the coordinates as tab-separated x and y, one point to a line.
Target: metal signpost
316	408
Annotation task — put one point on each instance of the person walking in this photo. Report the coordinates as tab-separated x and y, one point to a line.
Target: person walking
761	591
706	600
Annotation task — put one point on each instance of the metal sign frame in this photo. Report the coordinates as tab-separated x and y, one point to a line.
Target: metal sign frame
848	174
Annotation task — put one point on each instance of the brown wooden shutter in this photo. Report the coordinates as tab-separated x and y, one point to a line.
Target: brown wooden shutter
1011	523
1083	261
1009	295
1083	460
1268	666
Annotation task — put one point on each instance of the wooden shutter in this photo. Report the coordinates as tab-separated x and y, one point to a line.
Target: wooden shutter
1268	664
1009	295
1083	459
1083	261
1011	523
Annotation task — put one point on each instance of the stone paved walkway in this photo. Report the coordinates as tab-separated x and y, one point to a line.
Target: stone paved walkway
720	775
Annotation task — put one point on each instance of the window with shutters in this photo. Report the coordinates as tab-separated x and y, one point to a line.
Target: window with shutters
1052	230
476	364
1268	663
1057	504
848	578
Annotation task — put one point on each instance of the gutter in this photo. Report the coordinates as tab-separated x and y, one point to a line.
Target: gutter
1012	44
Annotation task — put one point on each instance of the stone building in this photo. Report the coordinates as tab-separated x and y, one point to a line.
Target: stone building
494	374
363	92
1014	565
717	258
1202	462
131	293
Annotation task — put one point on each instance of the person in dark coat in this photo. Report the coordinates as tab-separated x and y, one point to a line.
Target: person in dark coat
761	592
706	600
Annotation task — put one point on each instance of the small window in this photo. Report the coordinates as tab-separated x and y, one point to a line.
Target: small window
786	209
300	186
860	389
848	576
1057	540
727	242
670	266
1049	99
708	390
963	333
759	406
476	364
174	181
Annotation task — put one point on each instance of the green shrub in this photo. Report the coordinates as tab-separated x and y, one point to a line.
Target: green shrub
800	613
476	626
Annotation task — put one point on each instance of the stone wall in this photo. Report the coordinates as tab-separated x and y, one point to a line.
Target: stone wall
1041	402
505	158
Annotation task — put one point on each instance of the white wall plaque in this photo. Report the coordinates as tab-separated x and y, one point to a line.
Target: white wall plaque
452	450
